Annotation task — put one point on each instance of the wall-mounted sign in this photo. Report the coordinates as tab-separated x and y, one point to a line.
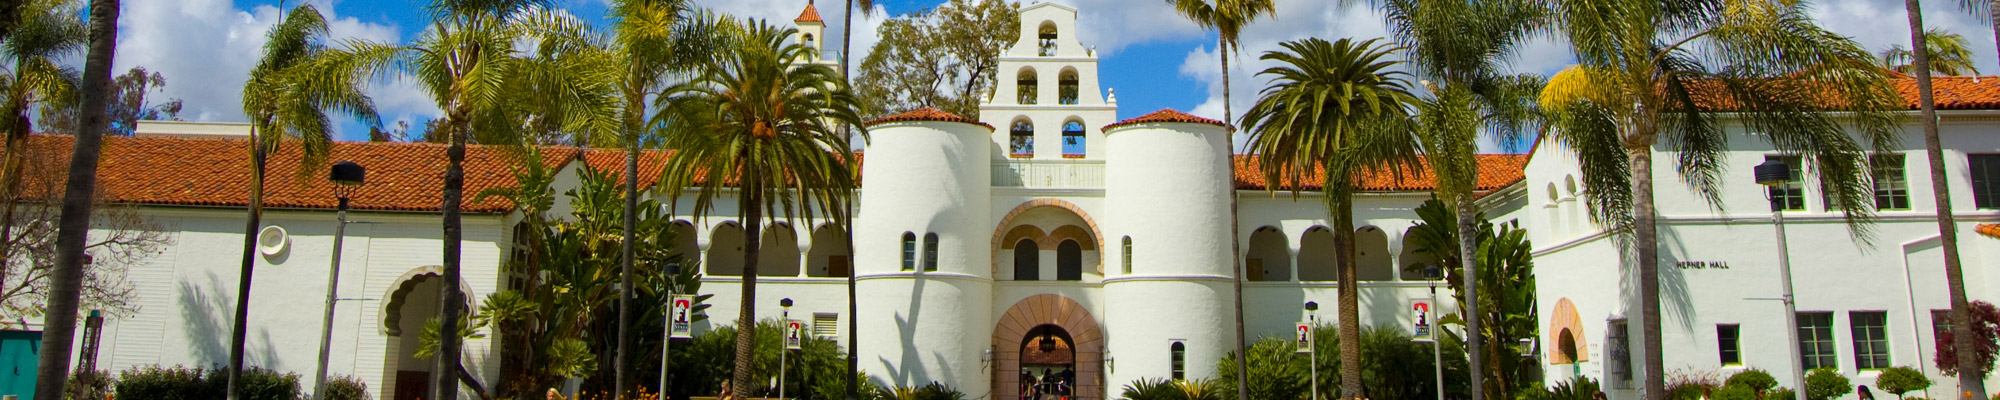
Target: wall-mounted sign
1701	264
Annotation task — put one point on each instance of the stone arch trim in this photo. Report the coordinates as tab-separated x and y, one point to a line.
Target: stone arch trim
999	231
1048	309
1071	232
392	309
1563	320
1015	235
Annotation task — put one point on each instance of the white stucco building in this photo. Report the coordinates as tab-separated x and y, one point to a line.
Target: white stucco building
1045	218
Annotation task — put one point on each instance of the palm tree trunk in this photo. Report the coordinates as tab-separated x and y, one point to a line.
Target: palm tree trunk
1970	384
1350	293
451	297
1646	254
746	316
1235	243
1468	247
66	282
853	323
625	264
241	324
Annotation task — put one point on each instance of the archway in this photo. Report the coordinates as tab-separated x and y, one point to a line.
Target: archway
1048	364
1268	257
1371	255
778	254
1048	222
725	250
413	300
684	243
1316	255
1413	261
1567	328
828	255
1048	311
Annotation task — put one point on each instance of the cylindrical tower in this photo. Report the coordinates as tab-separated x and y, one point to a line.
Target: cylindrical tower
922	257
1167	186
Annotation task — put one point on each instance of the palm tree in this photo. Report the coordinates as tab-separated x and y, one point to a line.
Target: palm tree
286	97
778	148
73	234
1972	385
1653	72
1457	45
466	61
1334	106
46	31
853	306
1949	53
1227	18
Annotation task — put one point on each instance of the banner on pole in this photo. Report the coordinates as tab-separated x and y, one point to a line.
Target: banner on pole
1421	331
1304	337
794	334
679	324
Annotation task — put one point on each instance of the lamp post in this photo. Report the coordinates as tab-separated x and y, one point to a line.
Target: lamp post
1312	358
1431	273
667	331
1773	173
346	177
785	341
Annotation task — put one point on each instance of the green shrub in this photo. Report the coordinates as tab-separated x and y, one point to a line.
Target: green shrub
1737	393
1581	388
261	384
932	391
99	385
1692	385
1901	380
343	387
1277	370
1165	389
1826	384
1754	379
183	383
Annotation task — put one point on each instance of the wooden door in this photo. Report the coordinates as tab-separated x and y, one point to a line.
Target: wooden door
412	385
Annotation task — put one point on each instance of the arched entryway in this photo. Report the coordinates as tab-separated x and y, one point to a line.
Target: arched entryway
1048	334
413	300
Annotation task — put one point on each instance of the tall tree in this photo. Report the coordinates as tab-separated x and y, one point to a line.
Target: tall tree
122	238
1948	51
781	149
1506	290
45	31
1333	111
129	104
59	325
1654	73
1460	47
945	58
1971	385
287	98
847	212
1227	18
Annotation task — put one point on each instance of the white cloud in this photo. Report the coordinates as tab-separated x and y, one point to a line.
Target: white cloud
206	48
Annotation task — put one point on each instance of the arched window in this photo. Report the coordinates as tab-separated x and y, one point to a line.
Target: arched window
1576	215
1554	211
1027	261
1048	39
1072	139
1178	352
1021	139
1025	84
909	251
1066	91
808	40
1069	261
1127	246
930	251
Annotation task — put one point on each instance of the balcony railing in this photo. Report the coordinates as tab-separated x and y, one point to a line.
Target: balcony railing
1049	174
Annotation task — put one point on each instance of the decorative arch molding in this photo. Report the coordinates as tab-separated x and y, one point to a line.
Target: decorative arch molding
392	310
1000	231
1048	309
1015	235
1071	232
1565	323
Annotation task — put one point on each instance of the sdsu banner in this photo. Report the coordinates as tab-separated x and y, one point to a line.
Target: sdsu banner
679	324
1421	331
794	332
1304	337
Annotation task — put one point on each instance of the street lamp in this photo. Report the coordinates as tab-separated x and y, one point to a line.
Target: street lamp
1433	274
1773	173
667	334
346	177
1312	358
785	341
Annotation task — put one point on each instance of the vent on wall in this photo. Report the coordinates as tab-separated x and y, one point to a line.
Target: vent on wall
826	324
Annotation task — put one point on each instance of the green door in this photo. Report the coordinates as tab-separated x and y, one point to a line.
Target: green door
19	351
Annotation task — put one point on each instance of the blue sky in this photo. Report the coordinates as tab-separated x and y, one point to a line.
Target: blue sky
1152	57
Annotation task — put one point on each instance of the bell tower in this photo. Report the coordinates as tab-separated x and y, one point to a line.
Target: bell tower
1047	104
812	32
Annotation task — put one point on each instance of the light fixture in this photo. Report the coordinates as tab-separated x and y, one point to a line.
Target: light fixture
1432	271
1048	341
1312	306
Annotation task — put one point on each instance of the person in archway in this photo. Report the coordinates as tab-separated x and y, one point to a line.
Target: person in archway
1027	383
1068	381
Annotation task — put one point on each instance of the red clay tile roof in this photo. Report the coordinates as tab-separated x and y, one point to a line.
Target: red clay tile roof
926	114
811	14
216	172
612	161
1495	171
1990	230
1955	92
1165	115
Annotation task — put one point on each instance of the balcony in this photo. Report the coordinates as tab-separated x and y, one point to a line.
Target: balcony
1054	174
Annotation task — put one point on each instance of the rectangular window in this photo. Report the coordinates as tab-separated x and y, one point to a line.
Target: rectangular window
1871	343
1727	344
909	252
826	324
1618	344
1985	179
1790	196
1816	340
1940	322
930	252
1892	183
